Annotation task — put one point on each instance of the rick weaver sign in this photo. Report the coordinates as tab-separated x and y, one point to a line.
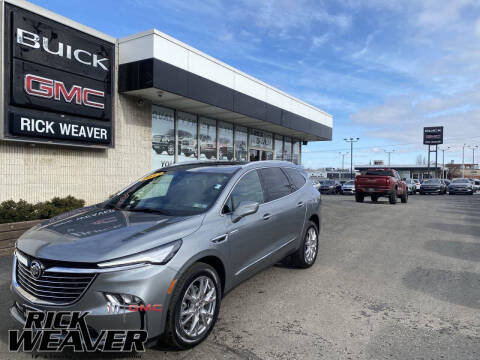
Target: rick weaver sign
58	82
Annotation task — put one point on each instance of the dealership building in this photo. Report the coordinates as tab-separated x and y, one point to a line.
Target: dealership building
85	114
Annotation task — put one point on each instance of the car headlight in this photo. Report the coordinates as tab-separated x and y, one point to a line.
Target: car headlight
156	256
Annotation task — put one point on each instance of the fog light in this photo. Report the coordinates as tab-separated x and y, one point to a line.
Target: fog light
122	301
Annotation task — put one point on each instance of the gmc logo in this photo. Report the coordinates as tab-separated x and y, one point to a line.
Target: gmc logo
48	88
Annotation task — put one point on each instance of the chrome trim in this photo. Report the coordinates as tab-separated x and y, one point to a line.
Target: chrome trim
95	270
21	258
264	256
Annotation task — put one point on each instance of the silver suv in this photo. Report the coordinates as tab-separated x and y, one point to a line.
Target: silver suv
177	240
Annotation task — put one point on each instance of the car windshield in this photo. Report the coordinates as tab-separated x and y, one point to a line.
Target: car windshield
432	182
461	181
351	182
181	192
328	182
379	172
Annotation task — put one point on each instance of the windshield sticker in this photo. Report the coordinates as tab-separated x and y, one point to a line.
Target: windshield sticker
218	186
153	176
198	205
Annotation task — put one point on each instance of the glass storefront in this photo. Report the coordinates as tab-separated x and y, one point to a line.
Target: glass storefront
278	147
287	149
225	141
241	138
197	139
187	137
296	152
208	139
163	137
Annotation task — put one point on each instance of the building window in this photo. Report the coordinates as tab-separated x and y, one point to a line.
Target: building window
241	139
163	137
278	147
208	138
187	136
261	139
225	141
287	149
296	152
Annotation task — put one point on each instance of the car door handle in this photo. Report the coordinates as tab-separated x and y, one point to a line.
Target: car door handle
267	216
220	238
300	204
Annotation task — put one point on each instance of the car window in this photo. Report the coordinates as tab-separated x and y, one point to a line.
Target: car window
295	177
379	172
275	183
248	188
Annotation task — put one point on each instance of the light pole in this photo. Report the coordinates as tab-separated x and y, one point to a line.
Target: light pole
351	141
343	159
443	161
463	160
389	152
473	159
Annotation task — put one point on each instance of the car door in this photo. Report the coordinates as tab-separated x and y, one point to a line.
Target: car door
250	236
286	211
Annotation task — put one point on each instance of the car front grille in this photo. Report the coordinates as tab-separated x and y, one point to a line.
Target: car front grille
60	288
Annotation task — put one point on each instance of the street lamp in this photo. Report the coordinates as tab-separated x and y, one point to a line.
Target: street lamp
351	141
389	152
443	160
473	159
463	160
343	158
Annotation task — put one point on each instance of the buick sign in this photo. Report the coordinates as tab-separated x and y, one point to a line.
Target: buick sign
58	82
433	135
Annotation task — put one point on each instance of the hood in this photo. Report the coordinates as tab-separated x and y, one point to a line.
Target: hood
95	234
460	185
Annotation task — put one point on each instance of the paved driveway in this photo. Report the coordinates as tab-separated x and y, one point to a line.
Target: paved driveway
391	282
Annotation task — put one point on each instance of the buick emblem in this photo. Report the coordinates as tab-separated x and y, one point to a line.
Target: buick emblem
36	269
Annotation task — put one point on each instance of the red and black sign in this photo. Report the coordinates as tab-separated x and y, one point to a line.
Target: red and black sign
433	135
59	82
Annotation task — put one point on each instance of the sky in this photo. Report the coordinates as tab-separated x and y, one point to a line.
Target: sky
383	69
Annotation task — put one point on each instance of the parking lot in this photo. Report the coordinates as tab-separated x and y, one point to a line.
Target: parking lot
390	282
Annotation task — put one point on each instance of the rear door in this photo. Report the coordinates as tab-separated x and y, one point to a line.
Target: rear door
285	208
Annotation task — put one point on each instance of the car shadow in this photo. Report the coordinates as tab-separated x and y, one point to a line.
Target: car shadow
455	249
457	229
456	287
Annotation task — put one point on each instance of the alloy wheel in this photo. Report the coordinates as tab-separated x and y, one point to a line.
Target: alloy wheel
311	244
198	307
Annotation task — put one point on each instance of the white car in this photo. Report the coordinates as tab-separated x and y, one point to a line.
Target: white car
417	184
348	187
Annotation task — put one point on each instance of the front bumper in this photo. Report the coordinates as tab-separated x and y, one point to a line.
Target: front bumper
431	191
149	283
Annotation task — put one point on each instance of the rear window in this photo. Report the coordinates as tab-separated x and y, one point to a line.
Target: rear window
275	183
295	177
379	172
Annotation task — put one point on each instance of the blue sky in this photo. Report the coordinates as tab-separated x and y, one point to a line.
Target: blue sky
383	69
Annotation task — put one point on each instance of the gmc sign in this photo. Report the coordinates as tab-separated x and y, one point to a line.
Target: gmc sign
58	82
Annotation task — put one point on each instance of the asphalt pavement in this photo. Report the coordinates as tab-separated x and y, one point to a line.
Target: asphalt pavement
390	282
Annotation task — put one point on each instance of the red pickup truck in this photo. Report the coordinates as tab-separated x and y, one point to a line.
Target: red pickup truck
381	182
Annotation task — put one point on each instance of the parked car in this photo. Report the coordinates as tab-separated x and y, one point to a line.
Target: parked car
161	143
330	187
460	186
417	184
433	186
411	186
348	187
447	182
476	185
381	182
181	237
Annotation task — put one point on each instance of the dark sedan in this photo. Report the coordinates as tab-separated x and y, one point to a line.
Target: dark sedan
433	186
329	187
460	186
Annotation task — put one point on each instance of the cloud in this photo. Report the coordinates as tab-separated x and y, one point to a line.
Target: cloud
318	41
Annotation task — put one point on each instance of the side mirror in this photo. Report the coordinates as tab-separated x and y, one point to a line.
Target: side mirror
244	208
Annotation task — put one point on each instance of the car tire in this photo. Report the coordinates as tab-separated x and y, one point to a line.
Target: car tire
175	334
359	197
374	198
393	197
404	198
303	257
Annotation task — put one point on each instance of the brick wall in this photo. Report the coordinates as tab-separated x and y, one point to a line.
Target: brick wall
35	172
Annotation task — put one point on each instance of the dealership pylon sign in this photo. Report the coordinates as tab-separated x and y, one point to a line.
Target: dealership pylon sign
58	82
433	135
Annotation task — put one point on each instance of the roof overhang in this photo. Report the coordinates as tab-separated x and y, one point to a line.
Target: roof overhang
167	72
